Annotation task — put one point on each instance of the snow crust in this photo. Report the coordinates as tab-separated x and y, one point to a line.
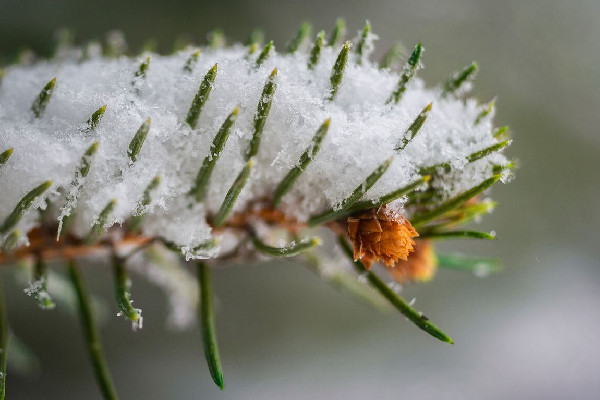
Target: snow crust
363	133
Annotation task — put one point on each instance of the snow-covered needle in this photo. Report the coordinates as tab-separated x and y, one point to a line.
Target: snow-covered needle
191	62
487	109
136	220
201	97
99	226
264	54
10	242
5	155
413	129
338	32
305	159
337	71
315	52
22	207
233	193
94	120
142	70
361	189
41	101
216	39
457	80
262	113
208	165
408	72
362	42
301	36
135	146
392	56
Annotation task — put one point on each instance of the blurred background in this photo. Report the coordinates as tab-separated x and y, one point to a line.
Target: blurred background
530	332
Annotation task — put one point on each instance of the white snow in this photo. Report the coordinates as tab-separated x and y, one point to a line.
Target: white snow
362	134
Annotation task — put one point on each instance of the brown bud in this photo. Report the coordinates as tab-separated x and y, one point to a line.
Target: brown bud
378	235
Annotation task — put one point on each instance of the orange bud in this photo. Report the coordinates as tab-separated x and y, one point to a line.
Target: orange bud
420	266
377	235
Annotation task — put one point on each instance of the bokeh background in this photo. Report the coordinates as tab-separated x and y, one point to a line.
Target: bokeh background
530	332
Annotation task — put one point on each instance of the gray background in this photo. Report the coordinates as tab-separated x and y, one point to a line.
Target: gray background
530	332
